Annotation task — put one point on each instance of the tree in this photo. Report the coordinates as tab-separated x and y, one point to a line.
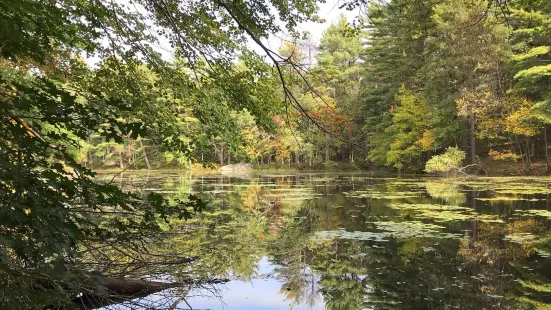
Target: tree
466	56
50	204
338	76
394	54
409	132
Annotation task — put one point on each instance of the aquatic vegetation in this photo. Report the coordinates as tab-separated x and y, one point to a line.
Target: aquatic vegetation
353	235
543	288
410	183
382	195
542	213
449	216
521	238
399	230
445	213
507	198
543	253
413	229
523	190
426	206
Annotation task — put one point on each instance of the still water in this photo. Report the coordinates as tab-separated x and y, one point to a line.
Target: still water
356	241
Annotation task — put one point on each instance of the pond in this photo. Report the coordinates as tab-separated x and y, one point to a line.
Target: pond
356	241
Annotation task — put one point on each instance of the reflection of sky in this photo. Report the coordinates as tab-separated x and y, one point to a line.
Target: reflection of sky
262	294
259	294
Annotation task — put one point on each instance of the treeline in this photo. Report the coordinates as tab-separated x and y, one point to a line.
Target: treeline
414	78
467	73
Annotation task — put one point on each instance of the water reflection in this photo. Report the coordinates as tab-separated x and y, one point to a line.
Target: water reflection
317	241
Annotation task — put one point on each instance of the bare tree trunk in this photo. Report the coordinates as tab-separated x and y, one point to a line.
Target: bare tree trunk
104	151
352	156
326	148
472	135
527	151
221	156
546	152
88	153
121	290
145	156
520	151
121	161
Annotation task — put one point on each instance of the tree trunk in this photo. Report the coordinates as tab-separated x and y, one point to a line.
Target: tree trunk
528	164
145	156
326	148
472	135
352	156
88	153
546	152
221	156
104	151
121	161
520	151
121	290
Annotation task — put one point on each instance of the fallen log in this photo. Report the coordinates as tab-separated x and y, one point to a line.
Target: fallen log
118	290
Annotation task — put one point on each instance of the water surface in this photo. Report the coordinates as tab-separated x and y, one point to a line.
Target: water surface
355	241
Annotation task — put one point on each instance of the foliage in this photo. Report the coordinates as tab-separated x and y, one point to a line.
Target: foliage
507	155
410	130
58	113
448	162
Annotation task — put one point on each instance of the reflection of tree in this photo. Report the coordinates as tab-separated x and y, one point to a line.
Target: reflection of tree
289	252
343	279
246	221
449	193
222	242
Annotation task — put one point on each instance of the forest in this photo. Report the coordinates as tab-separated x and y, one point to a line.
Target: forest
85	85
390	89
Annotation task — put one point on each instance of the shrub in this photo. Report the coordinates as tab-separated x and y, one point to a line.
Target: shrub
504	155
448	162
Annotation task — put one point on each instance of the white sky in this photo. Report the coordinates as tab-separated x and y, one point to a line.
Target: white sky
328	11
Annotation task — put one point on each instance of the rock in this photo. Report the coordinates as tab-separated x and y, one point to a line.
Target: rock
241	167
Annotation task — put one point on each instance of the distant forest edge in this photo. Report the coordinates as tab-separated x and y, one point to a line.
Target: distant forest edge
408	80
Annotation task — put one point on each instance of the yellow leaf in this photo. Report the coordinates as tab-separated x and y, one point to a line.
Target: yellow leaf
27	211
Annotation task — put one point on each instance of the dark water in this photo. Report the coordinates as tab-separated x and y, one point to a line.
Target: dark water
353	241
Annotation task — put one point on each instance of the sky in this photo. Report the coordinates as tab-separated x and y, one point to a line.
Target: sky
329	11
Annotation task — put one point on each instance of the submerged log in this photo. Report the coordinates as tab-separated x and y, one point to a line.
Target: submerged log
119	290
